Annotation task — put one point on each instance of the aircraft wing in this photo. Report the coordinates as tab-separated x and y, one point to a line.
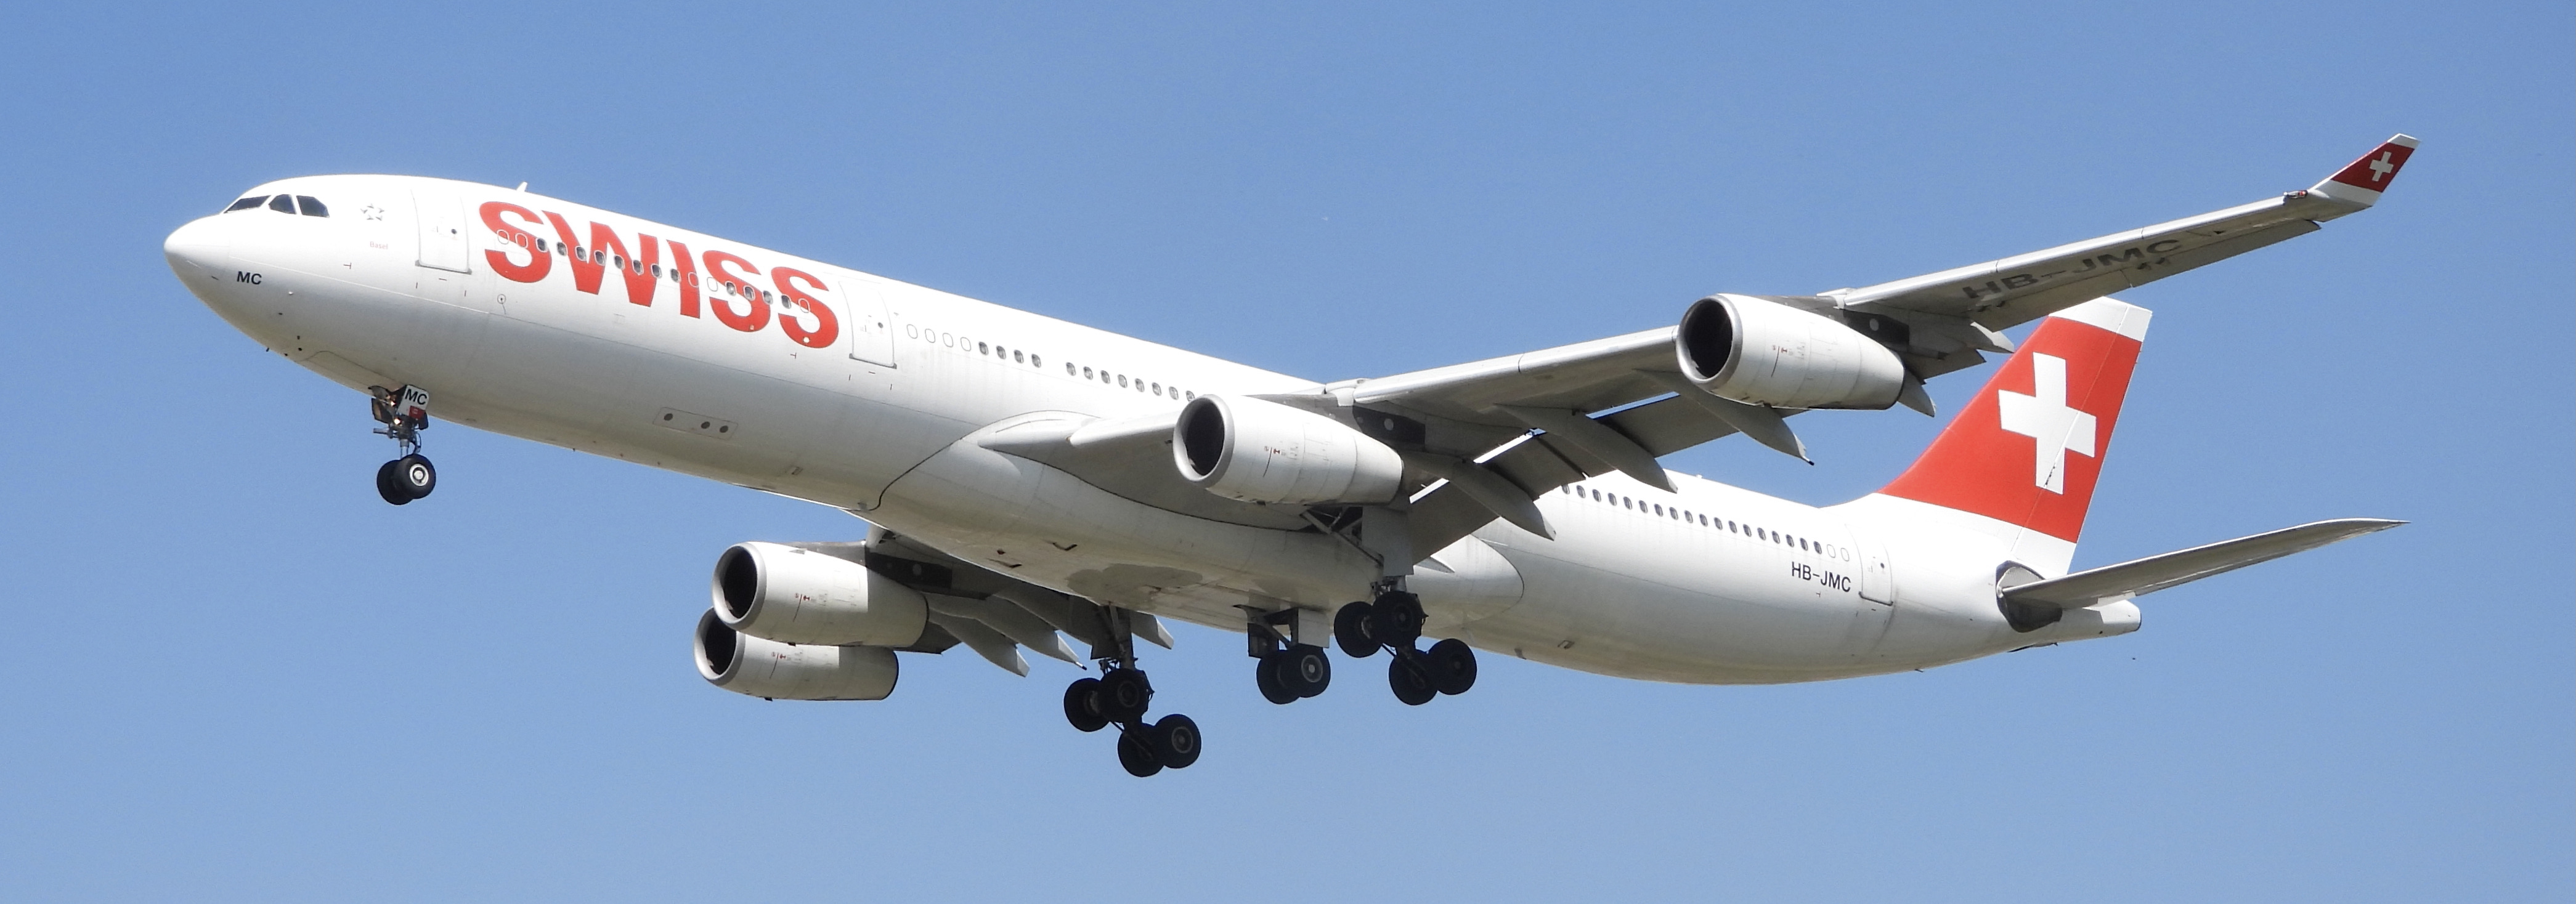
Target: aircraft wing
981	606
1564	413
1961	306
1486	439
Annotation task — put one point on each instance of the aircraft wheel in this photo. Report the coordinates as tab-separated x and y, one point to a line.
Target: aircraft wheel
1305	670
416	475
1176	741
1082	705
1266	673
1136	752
1124	695
1396	619
1412	684
389	484
1453	666
1351	631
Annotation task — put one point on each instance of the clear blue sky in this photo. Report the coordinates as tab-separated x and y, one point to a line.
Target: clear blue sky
237	675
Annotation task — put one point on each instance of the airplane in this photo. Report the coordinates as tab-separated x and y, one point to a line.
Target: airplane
1024	479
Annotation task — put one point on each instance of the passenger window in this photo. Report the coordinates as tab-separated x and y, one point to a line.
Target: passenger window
282	204
983	349
1086	372
1158	389
247	203
657	271
312	206
1035	362
729	287
1193	396
1016	356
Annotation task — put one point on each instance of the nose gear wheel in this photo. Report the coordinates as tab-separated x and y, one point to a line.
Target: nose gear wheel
404	413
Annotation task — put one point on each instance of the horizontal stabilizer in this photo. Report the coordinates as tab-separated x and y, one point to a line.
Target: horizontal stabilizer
2153	573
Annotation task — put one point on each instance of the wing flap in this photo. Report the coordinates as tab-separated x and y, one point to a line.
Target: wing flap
2148	575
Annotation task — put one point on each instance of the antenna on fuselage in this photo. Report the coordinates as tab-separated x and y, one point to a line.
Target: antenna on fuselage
523	186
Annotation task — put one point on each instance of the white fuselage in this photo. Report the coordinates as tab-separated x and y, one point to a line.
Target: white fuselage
395	287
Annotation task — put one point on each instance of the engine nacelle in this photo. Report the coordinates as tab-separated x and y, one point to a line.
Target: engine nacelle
771	670
782	593
1259	451
1767	353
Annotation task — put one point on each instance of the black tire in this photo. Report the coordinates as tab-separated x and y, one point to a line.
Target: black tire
1351	631
389	484
1396	619
1453	666
1305	670
1082	705
415	475
1136	752
1124	695
1266	675
1176	741
1411	683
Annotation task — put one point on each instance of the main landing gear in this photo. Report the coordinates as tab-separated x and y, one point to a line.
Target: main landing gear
1394	622
1120	697
1285	669
404	413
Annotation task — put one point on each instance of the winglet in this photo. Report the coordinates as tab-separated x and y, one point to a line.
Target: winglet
2360	184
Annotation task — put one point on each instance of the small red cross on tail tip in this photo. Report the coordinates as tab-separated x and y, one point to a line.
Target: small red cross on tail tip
2362	181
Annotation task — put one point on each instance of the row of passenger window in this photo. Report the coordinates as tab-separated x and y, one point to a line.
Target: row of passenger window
1022	356
639	268
963	343
1704	519
312	207
1123	381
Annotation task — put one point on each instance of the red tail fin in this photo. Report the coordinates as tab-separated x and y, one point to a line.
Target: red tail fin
2028	449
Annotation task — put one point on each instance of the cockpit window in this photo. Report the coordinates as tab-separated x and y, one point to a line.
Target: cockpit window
282	204
247	203
311	206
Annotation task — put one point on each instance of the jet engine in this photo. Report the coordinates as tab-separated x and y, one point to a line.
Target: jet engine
772	670
1767	353
1259	451
782	593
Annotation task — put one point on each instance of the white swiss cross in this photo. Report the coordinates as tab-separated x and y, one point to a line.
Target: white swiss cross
2044	416
2380	168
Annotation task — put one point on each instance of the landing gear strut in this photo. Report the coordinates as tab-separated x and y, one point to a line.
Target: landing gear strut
1394	622
1120	696
404	413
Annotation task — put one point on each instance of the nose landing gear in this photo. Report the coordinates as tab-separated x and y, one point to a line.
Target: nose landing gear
404	413
1394	622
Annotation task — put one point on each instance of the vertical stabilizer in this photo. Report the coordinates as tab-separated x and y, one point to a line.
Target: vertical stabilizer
2028	449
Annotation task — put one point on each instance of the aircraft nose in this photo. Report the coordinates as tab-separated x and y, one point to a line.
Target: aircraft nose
201	248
